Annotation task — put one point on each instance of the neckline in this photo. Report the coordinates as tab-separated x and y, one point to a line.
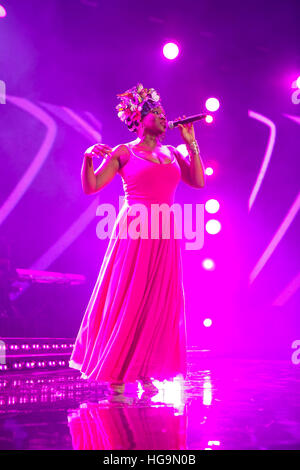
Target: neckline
151	161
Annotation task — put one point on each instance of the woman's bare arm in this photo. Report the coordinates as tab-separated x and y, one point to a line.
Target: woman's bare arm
88	179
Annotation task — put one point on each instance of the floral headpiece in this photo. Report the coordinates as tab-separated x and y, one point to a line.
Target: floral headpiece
135	104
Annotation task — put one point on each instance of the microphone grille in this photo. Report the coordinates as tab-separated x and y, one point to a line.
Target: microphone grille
170	125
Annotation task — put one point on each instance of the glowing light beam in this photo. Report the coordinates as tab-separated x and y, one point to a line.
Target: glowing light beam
65	240
267	156
39	159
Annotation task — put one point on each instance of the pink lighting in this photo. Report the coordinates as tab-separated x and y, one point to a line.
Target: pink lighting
212	104
212	206
2	12
209	171
207	322
213	226
209	119
170	50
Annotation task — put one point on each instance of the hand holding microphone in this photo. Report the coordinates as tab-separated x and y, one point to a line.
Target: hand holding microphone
186	128
187	120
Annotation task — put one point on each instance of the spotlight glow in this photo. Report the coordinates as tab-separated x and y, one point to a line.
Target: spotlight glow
212	104
2	12
208	264
182	149
170	50
207	322
298	82
209	119
209	171
213	226
212	206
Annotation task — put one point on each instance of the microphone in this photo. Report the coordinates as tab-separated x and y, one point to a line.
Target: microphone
197	117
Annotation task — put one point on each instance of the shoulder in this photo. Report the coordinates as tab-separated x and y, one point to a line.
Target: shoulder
120	149
121	153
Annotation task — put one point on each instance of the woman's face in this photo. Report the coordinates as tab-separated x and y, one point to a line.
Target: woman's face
156	120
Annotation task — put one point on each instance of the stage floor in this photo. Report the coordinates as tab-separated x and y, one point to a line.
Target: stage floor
223	404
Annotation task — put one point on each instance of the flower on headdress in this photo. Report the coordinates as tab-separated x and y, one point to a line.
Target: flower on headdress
132	101
144	93
155	96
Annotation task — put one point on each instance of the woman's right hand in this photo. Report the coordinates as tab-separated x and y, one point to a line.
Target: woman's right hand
98	150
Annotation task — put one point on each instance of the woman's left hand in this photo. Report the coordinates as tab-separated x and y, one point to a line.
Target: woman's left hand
187	131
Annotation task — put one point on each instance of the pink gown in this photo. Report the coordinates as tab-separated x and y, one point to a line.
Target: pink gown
134	324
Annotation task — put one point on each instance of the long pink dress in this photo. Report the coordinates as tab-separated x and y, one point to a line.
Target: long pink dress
134	325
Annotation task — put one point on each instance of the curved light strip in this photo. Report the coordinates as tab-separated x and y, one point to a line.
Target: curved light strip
276	239
69	117
267	156
294	285
93	119
85	218
63	242
84	124
39	159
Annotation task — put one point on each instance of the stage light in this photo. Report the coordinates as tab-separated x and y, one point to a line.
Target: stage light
208	264
209	119
2	11
298	82
212	104
209	171
207	392
215	443
213	226
170	50
212	206
207	322
182	149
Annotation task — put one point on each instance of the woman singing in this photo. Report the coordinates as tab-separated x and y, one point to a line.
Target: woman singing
134	326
